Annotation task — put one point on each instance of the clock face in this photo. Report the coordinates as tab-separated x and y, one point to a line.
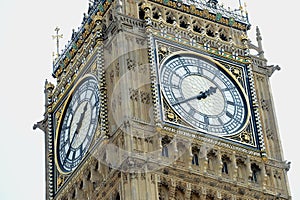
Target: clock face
78	125
203	94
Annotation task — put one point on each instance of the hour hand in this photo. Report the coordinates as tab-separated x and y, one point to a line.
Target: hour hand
201	95
79	124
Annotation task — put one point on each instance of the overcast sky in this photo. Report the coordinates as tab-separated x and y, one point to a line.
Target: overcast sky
26	48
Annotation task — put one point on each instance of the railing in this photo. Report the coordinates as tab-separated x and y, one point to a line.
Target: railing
237	14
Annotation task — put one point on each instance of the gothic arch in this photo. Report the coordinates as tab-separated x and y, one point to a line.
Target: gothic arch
163	191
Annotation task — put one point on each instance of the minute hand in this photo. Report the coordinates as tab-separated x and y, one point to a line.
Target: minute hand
201	95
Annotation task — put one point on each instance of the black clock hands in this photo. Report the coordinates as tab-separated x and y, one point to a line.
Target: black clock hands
201	95
79	125
204	95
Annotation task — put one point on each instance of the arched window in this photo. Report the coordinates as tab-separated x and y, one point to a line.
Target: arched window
195	160
118	196
141	12
165	142
226	163
225	168
163	192
179	194
254	176
255	173
165	151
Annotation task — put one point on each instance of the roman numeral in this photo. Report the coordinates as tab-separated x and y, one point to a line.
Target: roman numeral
220	121
187	69
63	144
230	103
192	112
73	156
229	114
206	120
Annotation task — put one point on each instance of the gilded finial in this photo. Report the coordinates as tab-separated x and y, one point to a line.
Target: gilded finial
49	86
57	37
241	7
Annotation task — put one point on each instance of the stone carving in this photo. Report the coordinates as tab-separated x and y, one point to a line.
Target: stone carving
134	94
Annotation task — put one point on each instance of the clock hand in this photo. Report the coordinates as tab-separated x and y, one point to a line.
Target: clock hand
204	95
201	95
69	150
79	124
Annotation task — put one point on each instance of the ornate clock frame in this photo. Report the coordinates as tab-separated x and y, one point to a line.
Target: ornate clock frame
166	118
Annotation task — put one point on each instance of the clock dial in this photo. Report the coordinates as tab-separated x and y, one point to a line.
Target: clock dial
78	125
203	94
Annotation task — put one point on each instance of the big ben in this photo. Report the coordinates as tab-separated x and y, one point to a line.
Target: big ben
162	99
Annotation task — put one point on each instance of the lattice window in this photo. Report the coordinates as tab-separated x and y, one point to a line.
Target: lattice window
183	22
156	13
170	18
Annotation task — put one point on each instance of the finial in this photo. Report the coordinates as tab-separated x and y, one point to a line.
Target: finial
258	35
57	37
259	42
49	86
241	7
73	34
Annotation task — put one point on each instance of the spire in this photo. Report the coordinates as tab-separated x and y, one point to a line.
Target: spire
259	42
57	37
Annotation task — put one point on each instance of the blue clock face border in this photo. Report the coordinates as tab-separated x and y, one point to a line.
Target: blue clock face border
247	137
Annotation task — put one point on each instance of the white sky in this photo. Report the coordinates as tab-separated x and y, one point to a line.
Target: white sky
26	48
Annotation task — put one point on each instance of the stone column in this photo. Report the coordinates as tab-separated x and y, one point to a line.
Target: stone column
203	193
190	158
219	163
263	176
188	191
204	158
172	189
248	169
234	166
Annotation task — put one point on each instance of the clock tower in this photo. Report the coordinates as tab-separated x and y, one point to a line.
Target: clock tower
162	99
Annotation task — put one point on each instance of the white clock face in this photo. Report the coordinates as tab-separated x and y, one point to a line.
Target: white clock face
78	125
203	94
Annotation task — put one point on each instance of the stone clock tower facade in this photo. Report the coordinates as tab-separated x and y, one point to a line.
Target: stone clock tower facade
162	99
